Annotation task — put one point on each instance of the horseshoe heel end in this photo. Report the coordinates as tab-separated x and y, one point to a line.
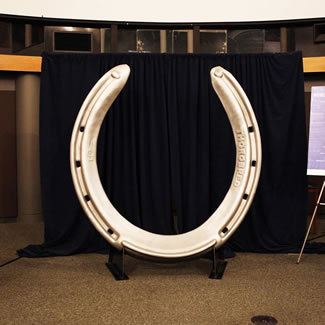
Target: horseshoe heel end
217	72
121	71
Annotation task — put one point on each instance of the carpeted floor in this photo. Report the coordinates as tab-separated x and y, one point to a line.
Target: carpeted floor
80	289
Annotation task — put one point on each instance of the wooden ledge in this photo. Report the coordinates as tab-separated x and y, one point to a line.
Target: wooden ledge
20	63
314	64
34	63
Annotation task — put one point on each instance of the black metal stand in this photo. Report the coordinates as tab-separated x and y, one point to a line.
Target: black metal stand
218	264
116	262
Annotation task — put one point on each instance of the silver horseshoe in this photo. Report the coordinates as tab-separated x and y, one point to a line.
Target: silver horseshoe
119	232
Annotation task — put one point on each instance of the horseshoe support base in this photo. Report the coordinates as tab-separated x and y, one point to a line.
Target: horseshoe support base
116	263
218	264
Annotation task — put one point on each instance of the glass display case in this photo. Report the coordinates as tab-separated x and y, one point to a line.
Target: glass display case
151	41
32	38
213	41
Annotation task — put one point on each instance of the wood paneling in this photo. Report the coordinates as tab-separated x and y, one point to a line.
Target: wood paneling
114	38
8	162
196	39
34	63
314	64
20	63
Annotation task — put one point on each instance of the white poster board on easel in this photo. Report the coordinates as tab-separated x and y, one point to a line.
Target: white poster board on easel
316	148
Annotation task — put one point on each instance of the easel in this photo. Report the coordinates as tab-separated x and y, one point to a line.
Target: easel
312	220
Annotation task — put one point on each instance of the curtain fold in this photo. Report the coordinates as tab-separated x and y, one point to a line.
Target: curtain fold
166	147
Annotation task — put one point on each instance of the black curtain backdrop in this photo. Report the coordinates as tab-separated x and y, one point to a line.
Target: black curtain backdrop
166	147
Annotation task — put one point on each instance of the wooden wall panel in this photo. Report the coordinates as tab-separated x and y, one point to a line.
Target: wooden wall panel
20	63
34	63
314	64
8	163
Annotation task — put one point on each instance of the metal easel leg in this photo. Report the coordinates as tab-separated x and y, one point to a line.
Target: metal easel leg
312	220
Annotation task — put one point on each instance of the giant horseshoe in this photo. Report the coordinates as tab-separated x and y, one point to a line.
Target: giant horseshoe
119	232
